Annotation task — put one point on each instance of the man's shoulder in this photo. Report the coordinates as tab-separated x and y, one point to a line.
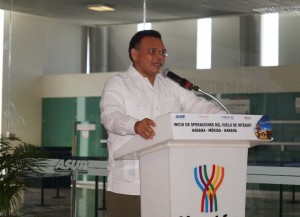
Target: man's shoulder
119	80
119	76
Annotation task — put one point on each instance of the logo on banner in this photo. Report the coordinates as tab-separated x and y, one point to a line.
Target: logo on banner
69	165
263	129
209	181
179	116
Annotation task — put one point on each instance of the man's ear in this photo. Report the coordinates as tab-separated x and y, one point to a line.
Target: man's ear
134	54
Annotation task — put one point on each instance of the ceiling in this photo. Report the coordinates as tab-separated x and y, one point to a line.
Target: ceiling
132	11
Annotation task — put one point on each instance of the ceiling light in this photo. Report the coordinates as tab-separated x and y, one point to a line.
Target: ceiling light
101	7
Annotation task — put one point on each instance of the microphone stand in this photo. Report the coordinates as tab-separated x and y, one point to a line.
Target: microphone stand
196	88
188	85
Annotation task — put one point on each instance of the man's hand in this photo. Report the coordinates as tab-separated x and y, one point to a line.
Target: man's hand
144	128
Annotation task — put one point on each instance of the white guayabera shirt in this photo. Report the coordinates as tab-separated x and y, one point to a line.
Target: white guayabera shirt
129	97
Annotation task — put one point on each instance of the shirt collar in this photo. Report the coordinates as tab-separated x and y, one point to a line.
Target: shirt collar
134	74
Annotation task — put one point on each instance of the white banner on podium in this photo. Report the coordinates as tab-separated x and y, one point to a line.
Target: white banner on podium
220	127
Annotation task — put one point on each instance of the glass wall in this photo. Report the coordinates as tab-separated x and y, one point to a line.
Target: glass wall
47	93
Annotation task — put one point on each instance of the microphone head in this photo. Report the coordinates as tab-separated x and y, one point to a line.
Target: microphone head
164	72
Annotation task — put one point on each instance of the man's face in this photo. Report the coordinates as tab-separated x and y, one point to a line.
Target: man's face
149	57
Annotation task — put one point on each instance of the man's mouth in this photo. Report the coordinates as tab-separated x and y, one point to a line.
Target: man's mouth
158	64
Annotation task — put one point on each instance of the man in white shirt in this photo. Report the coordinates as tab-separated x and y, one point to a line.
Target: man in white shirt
129	103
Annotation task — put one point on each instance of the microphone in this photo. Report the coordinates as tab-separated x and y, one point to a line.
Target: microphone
181	81
188	85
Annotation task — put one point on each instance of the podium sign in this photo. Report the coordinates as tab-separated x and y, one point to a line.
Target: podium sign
221	127
197	164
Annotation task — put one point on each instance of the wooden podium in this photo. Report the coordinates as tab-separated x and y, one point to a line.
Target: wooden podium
197	164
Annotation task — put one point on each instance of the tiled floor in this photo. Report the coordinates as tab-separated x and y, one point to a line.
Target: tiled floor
258	204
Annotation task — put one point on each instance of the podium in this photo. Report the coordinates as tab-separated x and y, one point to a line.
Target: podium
196	165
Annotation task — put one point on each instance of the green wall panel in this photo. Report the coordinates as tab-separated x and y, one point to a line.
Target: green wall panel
60	118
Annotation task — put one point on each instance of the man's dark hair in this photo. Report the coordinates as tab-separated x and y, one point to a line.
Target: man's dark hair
136	39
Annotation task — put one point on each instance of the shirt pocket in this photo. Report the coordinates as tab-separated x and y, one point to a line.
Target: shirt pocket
170	104
137	108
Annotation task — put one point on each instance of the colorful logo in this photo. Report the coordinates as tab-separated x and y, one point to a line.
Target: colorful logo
209	186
